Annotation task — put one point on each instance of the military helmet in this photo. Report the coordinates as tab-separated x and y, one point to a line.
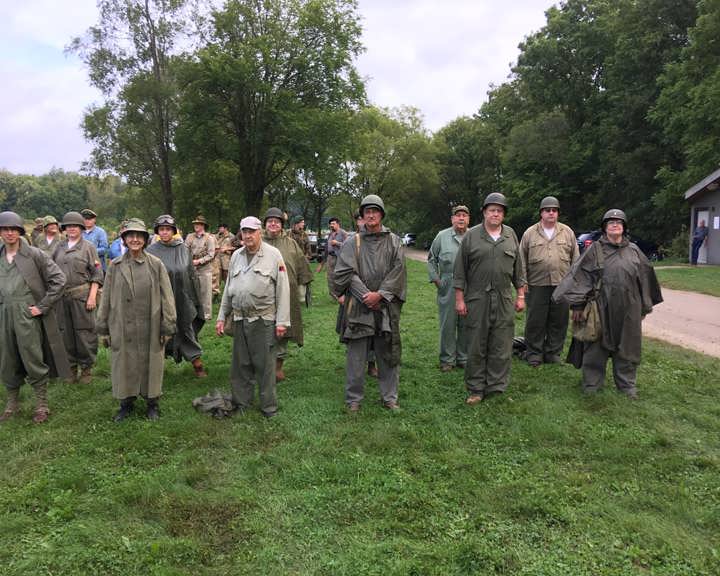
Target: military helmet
615	214
549	202
11	220
135	225
72	219
49	220
274	213
164	220
495	198
297	219
372	200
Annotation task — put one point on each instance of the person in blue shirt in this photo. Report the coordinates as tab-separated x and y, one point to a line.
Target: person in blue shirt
117	246
95	235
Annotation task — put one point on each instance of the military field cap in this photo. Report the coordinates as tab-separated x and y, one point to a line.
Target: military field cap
87	213
297	219
251	223
135	225
461	208
200	219
49	220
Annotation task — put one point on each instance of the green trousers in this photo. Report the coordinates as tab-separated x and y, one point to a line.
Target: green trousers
453	342
253	360
21	353
545	325
490	330
595	357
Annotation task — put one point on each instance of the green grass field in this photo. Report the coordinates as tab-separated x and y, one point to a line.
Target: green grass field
703	279
539	481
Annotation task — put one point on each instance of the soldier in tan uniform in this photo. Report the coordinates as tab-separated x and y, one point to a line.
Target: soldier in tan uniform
78	260
202	247
548	249
225	248
256	300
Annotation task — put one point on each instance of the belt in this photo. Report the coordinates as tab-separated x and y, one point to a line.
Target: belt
80	290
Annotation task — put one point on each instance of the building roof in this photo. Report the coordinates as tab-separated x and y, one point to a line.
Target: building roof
700	186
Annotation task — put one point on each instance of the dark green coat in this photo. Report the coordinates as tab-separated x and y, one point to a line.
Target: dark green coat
628	292
46	282
299	274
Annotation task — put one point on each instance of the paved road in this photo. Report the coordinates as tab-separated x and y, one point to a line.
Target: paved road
686	319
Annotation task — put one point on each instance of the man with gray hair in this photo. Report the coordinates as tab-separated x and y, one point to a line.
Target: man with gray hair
441	263
548	248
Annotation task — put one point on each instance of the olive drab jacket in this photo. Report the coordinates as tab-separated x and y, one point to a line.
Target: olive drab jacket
112	320
548	260
299	274
46	282
628	292
372	262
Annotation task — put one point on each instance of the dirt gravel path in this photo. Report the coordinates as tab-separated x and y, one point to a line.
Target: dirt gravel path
686	319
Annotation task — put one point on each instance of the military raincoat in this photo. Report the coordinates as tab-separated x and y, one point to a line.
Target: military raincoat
137	308
628	292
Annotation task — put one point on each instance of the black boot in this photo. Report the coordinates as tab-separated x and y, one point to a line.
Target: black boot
126	406
153	410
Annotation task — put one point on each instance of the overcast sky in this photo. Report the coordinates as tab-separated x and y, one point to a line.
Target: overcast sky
440	56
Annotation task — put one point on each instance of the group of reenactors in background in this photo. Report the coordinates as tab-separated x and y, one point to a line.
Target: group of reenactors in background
158	291
476	269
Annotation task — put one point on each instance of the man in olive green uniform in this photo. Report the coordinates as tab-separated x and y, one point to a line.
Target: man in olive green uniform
548	249
441	266
78	260
37	230
301	237
202	247
370	278
257	300
299	277
31	347
487	266
50	238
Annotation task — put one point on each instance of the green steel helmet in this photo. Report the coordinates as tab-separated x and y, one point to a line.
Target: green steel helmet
495	198
372	200
615	214
49	220
274	213
72	219
164	220
135	225
549	202
11	220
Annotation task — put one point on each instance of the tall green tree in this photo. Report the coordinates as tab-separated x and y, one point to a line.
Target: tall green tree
129	58
262	84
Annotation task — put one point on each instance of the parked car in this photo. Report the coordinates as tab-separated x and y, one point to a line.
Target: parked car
409	239
321	249
650	249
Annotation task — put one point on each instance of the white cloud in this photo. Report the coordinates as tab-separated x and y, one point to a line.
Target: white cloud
437	55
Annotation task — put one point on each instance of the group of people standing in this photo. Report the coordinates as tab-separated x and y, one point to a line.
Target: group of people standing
475	271
157	295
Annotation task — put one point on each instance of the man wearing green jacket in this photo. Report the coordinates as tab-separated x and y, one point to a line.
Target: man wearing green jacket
441	264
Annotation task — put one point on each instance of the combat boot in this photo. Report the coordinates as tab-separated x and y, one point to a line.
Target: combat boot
279	374
126	407
153	409
13	404
42	412
74	371
86	375
200	371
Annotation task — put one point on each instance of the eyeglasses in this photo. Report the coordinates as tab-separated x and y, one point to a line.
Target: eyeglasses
550	209
615	222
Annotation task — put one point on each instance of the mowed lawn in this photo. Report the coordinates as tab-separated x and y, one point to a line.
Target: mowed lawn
703	279
539	481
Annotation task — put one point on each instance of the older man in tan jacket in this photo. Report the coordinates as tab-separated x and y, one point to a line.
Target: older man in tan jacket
548	249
